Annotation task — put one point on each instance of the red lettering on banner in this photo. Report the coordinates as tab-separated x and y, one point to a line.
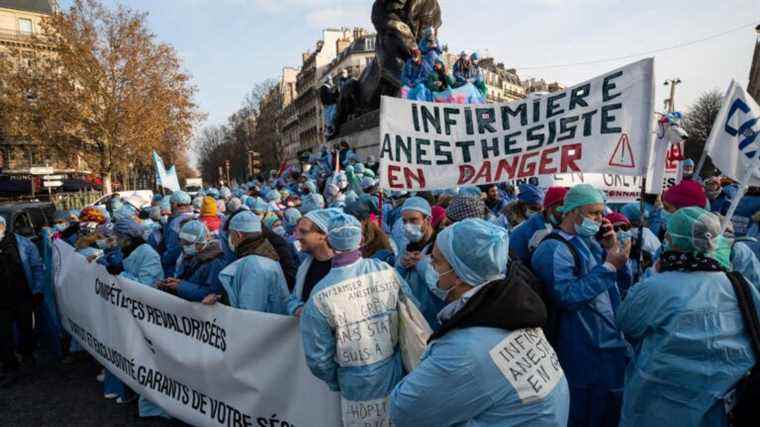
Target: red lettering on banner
392	178
570	153
527	169
466	172
484	173
506	167
546	161
411	176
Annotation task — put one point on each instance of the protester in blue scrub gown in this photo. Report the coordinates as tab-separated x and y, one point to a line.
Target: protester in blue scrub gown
684	322
366	367
142	264
586	294
472	372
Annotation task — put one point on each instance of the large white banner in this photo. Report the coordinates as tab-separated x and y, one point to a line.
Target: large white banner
734	143
603	125
208	366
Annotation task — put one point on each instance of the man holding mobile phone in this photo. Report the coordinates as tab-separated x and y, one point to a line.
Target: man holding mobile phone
584	265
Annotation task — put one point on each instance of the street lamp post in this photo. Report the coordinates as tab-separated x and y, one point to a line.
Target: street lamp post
227	165
671	102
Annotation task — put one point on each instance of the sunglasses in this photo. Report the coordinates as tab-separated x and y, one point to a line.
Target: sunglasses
623	227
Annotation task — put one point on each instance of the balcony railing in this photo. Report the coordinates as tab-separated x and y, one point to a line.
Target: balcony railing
20	36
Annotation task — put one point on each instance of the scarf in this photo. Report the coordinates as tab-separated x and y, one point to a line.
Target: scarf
688	262
256	246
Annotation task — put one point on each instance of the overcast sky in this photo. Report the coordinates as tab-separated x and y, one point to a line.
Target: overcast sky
229	45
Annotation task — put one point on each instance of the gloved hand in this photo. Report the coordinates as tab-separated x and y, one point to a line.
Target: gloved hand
115	269
37	299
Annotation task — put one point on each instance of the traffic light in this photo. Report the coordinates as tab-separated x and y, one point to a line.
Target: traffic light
254	163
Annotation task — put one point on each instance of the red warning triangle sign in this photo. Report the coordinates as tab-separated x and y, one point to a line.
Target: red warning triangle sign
622	157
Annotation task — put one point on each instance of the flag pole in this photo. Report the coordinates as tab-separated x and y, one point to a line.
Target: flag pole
711	137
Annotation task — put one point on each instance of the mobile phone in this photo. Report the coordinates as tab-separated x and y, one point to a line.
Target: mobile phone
603	230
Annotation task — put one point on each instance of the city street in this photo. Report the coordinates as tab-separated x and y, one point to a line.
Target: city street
66	395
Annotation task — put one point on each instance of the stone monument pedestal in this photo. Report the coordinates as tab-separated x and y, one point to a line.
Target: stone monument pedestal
362	134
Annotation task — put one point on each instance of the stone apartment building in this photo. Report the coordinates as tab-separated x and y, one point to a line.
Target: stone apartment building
21	35
754	74
338	49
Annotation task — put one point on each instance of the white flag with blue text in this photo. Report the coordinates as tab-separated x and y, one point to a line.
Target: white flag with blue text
734	144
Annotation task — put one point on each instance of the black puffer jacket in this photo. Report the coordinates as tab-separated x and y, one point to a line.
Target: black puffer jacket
508	304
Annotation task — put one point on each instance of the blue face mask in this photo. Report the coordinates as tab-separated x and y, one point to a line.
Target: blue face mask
189	250
624	236
413	232
61	226
588	228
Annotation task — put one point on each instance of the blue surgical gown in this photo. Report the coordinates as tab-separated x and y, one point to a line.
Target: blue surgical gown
691	347
256	283
591	349
350	334
462	380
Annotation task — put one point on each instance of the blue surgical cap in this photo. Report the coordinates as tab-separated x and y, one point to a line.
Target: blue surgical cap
274	196
470	192
2	220
292	215
116	204
344	233
246	222
197	202
476	250
531	194
359	168
417	204
125	212
128	228
166	203
181	198
581	195
312	202
260	206
213	192
225	193
155	213
368	182
249	201
632	211
157	197
322	217
193	231
311	186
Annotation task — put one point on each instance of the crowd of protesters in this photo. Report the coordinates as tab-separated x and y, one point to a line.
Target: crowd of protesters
629	312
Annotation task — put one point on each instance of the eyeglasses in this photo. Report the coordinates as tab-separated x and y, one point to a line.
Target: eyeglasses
623	227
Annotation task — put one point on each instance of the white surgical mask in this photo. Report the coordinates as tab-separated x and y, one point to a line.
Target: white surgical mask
164	219
280	231
441	293
61	226
229	242
413	232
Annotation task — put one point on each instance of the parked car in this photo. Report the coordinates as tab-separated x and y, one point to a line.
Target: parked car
139	198
27	218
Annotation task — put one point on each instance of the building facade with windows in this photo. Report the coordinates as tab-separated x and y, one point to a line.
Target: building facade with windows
288	120
754	73
21	37
314	68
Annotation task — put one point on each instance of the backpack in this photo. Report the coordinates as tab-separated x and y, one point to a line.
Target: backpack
552	325
741	403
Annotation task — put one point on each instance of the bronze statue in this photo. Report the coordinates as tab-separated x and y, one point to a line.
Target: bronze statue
399	25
